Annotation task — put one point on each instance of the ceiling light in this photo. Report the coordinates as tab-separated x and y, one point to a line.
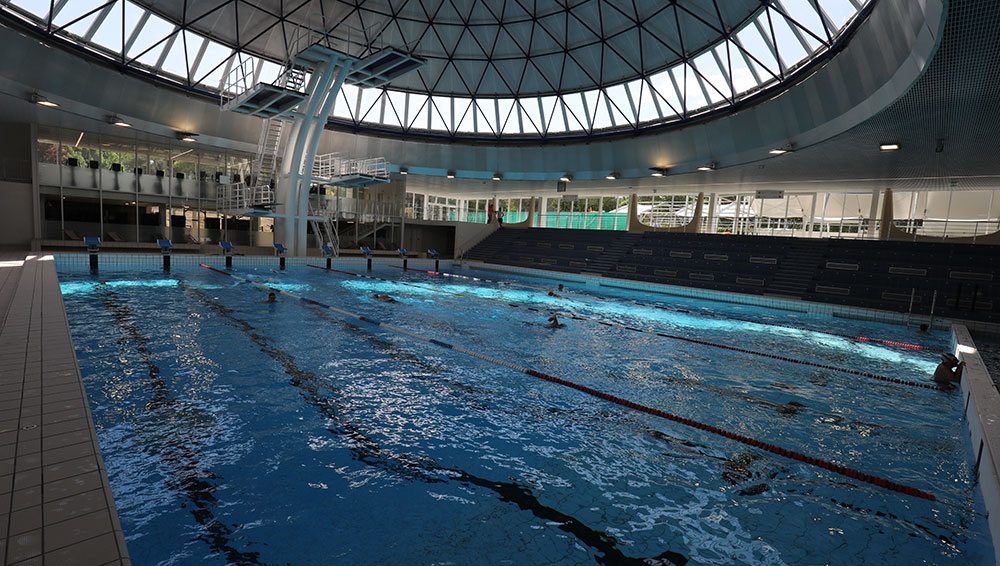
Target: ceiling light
778	151
658	171
612	176
889	146
566	178
42	101
185	136
708	167
118	121
451	174
497	176
404	171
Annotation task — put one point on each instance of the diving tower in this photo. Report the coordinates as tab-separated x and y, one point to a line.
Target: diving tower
297	105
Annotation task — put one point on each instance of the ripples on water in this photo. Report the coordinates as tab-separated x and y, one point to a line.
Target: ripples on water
248	433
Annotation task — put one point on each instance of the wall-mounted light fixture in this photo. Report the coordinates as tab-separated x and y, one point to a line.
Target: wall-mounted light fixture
404	171
187	136
889	146
118	121
451	174
659	171
708	167
42	101
566	178
497	176
612	175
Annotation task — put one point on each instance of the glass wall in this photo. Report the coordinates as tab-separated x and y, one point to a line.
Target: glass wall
123	189
856	215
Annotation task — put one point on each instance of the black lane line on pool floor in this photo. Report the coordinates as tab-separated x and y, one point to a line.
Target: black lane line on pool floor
198	485
411	466
836	468
661	307
572	316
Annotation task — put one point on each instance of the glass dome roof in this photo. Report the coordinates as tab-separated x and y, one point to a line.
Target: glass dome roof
494	68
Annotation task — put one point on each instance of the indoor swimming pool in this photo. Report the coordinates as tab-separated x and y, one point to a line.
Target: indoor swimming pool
241	431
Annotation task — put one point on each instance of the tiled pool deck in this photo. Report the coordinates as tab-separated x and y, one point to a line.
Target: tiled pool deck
56	506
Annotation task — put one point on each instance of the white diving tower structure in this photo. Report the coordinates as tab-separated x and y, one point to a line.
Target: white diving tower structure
299	103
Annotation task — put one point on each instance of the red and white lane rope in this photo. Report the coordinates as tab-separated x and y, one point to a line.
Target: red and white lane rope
835	468
664	335
661	307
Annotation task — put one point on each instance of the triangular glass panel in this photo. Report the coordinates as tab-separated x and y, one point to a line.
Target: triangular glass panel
508	116
440	112
804	16
715	81
621	109
394	108
417	112
553	118
213	64
757	48
149	43
486	116
370	100
576	119
531	116
464	112
109	34
788	44
643	95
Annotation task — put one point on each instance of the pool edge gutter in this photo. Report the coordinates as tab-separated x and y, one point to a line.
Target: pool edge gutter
982	412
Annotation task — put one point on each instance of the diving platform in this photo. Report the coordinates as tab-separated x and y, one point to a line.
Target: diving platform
335	169
382	67
265	101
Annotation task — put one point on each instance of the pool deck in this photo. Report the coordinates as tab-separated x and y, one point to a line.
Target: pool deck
56	505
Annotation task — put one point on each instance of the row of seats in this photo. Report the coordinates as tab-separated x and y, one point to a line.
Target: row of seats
799	264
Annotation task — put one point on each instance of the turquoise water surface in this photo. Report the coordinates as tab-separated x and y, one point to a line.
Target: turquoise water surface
237	431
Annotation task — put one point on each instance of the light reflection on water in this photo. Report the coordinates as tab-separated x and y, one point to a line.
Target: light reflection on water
302	436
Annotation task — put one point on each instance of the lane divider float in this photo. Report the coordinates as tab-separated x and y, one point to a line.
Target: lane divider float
774	449
661	307
663	334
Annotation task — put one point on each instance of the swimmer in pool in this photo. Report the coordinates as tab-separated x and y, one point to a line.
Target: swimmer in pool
923	330
949	371
554	294
554	322
383	298
271	298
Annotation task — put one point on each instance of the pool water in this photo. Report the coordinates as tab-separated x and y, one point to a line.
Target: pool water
237	431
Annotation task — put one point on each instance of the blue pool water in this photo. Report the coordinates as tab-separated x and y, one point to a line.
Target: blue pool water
241	432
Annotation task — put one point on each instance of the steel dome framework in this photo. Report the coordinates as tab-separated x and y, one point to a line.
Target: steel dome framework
523	69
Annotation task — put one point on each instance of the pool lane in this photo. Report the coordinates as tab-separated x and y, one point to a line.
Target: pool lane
835	468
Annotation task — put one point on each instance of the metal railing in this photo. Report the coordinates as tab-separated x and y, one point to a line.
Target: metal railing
334	166
238	198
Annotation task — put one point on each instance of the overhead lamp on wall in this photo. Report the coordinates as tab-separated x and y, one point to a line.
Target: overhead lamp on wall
566	178
612	175
187	136
889	146
42	101
787	148
404	171
708	167
118	121
658	171
497	176
451	174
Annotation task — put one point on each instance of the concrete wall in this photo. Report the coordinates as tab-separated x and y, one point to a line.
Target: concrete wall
16	226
